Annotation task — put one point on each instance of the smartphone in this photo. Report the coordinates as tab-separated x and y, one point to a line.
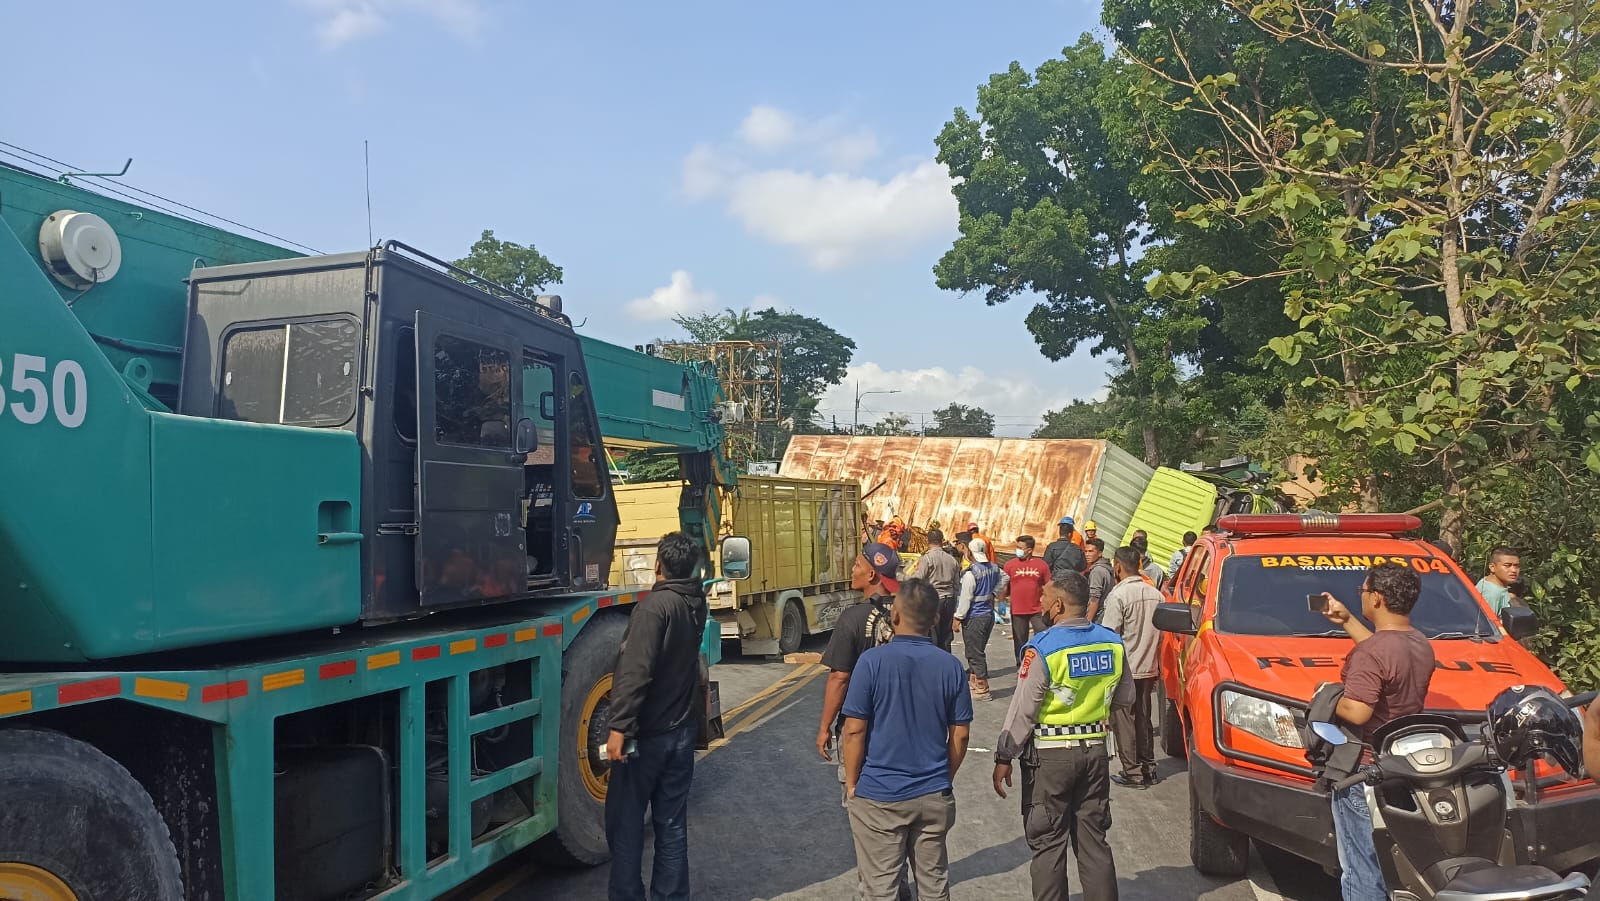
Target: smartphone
1317	603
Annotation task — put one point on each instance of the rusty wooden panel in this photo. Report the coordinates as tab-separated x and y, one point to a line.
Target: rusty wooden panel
1010	486
924	486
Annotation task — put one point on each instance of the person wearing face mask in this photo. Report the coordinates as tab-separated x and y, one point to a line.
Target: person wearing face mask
1024	582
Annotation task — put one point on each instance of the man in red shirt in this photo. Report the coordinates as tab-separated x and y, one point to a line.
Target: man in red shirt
1024	582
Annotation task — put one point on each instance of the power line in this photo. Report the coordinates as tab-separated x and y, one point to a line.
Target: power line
113	188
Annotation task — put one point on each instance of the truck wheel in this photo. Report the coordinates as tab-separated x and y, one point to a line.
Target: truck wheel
1172	739
75	826
794	628
581	776
1214	849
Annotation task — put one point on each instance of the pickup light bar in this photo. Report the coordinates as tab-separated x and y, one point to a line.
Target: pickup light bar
1323	523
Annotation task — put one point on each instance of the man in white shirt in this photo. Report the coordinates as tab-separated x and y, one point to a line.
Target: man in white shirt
1130	612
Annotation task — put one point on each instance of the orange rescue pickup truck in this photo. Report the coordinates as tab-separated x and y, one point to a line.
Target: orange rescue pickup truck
1243	653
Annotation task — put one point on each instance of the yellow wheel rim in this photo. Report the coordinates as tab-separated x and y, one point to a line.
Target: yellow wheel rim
594	726
26	882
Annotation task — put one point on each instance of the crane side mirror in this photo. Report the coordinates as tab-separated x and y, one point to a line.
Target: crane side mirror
1520	622
1175	618
527	437
736	557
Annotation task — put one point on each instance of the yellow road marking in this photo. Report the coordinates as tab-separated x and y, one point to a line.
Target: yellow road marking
756	715
756	698
285	679
160	689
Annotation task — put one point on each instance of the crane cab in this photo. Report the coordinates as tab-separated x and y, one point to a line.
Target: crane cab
483	479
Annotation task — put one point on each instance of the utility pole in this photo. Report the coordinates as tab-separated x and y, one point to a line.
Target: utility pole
856	429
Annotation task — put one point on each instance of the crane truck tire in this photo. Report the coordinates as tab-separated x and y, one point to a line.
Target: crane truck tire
579	839
794	628
76	826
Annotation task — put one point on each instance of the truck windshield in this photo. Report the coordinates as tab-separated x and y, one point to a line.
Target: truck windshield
1267	595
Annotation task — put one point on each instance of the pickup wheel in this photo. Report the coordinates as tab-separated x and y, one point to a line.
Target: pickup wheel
1214	849
793	630
1173	743
581	776
54	792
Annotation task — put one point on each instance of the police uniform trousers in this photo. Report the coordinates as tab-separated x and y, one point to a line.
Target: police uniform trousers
1066	803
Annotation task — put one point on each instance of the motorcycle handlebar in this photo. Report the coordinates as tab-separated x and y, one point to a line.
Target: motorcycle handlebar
1366	773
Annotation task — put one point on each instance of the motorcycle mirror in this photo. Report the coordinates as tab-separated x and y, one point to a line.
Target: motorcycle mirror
1329	733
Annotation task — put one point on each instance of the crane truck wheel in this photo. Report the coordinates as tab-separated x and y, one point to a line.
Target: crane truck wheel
581	776
793	630
76	826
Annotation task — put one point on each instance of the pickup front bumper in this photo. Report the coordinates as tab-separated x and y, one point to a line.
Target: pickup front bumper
1557	830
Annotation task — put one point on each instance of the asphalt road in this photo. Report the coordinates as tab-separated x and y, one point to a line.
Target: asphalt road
765	820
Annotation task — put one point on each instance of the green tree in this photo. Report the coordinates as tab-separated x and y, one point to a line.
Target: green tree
961	421
892	424
1434	237
815	356
520	267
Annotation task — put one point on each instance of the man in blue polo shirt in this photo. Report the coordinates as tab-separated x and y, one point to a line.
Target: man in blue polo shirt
907	717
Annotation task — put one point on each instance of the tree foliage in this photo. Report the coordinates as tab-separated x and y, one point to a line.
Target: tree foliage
520	267
961	421
1423	178
815	356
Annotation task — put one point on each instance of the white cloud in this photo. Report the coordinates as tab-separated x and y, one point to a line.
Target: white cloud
1017	403
836	220
768	128
766	302
340	22
676	297
834	217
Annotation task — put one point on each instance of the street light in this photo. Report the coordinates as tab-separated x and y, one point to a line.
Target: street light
855	429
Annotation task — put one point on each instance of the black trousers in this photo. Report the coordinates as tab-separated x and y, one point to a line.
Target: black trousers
1066	803
944	632
1023	627
975	635
1136	736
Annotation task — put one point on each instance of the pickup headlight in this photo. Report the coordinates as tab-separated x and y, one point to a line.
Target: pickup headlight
1261	718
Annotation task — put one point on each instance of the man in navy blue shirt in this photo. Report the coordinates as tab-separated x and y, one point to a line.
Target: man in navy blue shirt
907	717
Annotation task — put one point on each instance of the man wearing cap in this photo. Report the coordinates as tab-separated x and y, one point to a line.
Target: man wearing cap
1065	554
859	628
1090	532
977	534
975	616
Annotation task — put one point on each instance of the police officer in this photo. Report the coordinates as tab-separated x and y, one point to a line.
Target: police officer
1070	677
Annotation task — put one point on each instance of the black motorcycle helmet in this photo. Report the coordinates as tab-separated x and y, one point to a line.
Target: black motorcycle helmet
1525	721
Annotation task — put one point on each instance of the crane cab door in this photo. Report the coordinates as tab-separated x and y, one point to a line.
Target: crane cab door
470	536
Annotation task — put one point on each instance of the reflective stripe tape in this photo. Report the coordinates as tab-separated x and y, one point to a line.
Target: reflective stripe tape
16	702
160	689
1070	731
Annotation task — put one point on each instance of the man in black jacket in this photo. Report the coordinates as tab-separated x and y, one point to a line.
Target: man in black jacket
656	703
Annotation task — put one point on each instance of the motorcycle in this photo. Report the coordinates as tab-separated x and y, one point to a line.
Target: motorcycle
1440	797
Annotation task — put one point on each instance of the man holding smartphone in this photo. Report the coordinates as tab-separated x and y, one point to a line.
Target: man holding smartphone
1385	677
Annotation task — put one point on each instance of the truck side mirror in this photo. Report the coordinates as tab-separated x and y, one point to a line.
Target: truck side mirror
527	438
736	558
1520	622
1177	618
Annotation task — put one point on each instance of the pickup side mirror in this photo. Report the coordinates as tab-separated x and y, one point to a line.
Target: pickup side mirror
1177	618
527	437
736	558
1520	622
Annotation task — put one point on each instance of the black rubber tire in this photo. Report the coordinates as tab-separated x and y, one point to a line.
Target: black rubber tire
1172	738
793	630
67	808
1214	849
580	836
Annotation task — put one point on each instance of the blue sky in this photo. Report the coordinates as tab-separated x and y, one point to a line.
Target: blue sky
693	155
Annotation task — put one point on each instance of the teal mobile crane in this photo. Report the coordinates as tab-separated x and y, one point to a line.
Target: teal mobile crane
303	560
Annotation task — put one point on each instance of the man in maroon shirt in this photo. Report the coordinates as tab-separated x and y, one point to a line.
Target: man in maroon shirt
1024	582
1385	677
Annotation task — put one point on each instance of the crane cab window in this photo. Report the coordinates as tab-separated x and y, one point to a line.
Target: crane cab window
472	393
588	479
291	373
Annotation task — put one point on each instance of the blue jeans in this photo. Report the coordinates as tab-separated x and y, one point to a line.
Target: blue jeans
658	778
1362	876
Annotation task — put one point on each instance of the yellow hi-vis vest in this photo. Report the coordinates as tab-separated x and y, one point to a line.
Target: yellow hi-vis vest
1085	664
